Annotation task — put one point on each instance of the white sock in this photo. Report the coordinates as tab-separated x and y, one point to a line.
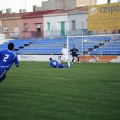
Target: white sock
68	64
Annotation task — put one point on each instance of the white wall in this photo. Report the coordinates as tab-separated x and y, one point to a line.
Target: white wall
55	21
81	20
36	57
2	38
55	57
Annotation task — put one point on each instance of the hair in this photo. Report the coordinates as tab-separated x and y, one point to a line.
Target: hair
10	46
50	59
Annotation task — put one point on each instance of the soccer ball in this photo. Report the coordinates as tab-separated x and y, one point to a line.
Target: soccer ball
84	41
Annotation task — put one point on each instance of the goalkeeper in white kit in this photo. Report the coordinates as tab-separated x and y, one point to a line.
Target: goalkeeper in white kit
65	55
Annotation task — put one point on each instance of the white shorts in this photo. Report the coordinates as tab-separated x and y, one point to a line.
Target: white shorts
65	58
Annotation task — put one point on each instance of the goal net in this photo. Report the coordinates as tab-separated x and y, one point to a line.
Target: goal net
96	48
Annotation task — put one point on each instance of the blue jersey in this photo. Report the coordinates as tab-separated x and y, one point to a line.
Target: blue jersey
7	58
55	64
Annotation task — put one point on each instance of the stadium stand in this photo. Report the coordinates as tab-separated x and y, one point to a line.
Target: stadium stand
46	46
19	44
111	47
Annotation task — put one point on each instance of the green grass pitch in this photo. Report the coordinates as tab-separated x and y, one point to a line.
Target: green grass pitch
87	91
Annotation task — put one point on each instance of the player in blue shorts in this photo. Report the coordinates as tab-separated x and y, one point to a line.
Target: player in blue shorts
7	58
56	64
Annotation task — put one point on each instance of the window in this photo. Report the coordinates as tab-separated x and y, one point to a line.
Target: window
38	27
25	27
5	29
73	24
48	25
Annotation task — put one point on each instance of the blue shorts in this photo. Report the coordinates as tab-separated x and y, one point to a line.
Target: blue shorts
2	73
59	65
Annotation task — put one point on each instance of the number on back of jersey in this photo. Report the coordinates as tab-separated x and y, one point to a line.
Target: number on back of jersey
6	57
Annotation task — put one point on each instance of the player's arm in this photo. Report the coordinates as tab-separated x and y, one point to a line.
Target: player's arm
62	51
78	51
16	61
0	54
49	65
78	55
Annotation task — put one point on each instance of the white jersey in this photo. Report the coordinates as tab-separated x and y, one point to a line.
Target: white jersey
65	52
65	56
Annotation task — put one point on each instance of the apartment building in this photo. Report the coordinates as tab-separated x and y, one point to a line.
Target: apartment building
63	4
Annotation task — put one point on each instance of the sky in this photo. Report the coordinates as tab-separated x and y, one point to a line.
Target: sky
105	1
28	4
19	4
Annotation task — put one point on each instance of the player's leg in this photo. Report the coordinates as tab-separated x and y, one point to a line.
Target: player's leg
60	66
78	57
66	66
2	74
68	63
72	58
68	60
62	59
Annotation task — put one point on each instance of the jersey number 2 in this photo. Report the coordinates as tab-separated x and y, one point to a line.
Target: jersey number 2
6	57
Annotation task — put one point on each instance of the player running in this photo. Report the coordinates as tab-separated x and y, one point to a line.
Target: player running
7	58
65	55
74	51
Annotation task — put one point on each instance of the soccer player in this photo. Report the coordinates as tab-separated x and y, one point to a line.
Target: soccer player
7	58
74	51
56	64
65	55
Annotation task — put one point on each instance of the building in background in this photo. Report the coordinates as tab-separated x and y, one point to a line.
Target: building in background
85	2
63	4
33	24
11	24
8	10
47	23
66	22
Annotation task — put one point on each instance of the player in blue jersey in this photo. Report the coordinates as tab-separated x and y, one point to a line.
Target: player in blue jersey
7	58
56	64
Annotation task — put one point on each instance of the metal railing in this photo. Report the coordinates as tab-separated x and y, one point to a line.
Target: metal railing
50	33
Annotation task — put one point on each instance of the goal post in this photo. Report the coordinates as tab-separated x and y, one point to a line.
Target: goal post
93	48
